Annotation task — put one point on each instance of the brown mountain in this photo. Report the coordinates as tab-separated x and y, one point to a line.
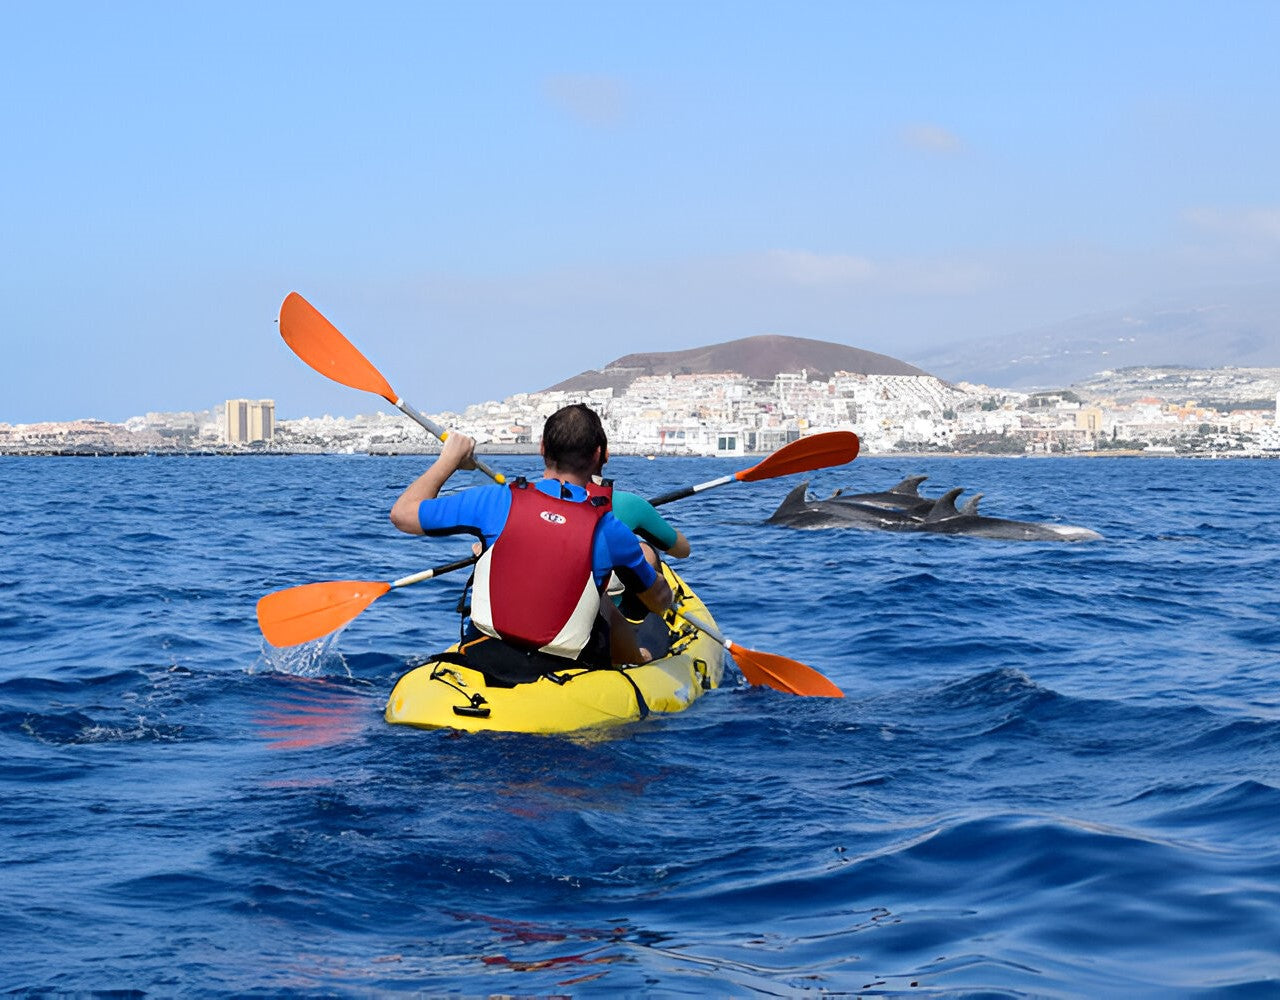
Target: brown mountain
756	357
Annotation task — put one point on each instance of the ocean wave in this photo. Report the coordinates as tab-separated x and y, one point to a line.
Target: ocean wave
78	729
1053	773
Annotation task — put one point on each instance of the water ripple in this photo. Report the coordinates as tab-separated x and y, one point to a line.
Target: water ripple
1053	774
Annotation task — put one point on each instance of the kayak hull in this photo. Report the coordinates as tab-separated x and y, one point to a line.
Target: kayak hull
441	695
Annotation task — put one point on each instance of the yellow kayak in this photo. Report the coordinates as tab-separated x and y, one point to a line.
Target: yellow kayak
445	695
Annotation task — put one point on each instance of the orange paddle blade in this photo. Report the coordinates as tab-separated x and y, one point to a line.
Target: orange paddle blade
820	451
781	674
302	614
317	342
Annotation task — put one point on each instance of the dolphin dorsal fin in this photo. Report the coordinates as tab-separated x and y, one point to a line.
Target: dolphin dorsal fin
792	502
909	486
970	506
944	507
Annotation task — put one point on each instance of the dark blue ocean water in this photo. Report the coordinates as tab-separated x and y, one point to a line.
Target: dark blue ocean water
1056	771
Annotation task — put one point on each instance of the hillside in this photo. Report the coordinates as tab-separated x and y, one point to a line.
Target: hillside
760	357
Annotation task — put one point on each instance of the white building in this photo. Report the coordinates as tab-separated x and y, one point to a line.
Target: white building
249	420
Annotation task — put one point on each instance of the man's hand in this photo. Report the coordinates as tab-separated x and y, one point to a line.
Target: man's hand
457	453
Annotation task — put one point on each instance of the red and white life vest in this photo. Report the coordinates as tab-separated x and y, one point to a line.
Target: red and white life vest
534	586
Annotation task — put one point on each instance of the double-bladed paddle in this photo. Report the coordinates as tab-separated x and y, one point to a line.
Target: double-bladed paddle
302	614
321	345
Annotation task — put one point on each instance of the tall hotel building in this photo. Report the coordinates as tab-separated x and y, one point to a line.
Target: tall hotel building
250	420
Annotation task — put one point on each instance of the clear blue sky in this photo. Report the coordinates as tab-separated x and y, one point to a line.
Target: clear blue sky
488	197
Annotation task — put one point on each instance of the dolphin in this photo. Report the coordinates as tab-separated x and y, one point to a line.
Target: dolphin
939	517
905	496
798	511
944	519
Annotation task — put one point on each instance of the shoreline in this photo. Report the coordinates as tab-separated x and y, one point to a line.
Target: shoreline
530	451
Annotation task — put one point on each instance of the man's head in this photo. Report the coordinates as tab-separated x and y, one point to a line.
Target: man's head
573	440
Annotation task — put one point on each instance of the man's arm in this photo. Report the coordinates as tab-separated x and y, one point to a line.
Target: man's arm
658	597
641	517
457	453
681	548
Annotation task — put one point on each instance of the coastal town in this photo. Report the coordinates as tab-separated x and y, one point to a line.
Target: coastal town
1225	412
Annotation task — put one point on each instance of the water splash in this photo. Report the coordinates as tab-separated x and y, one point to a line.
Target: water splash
320	658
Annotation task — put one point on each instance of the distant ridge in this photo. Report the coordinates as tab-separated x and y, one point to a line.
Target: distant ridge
1236	326
760	357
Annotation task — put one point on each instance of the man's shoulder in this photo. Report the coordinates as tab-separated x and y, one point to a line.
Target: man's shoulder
466	504
628	502
618	531
626	496
485	493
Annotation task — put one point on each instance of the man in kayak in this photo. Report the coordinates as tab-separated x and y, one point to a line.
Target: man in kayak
548	547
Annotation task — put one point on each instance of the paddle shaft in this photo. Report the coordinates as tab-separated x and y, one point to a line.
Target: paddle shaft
440	433
434	571
689	491
710	630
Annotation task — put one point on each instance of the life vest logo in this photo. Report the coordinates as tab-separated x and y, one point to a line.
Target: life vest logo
551	518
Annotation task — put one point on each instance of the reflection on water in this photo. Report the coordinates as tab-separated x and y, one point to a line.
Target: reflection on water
309	714
525	932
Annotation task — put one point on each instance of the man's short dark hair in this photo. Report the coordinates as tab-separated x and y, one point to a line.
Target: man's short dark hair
570	438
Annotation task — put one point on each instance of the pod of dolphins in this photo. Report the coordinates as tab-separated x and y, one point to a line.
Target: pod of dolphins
902	508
